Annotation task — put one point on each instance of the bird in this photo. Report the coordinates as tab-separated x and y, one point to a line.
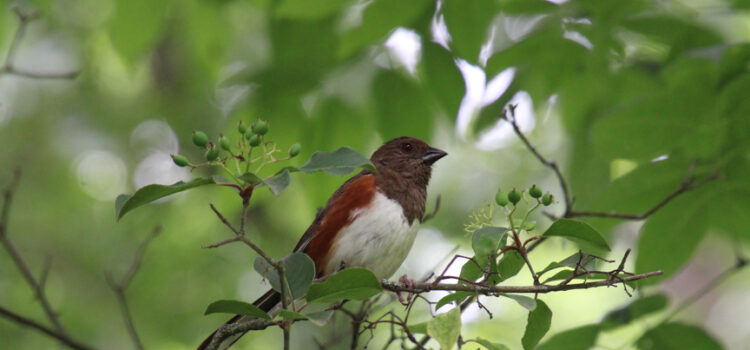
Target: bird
371	221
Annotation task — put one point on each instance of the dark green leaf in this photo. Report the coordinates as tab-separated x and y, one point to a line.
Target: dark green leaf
633	311
485	241
250	179
320	318
236	307
537	325
581	338
510	264
291	315
299	269
527	303
471	270
577	231
456	297
677	336
445	328
136	25
586	260
468	21
339	162
356	283
150	193
441	78
400	98
278	183
490	345
309	9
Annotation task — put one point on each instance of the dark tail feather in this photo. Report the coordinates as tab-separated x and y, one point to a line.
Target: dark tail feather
265	303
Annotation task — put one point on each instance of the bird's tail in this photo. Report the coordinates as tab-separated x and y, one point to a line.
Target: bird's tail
265	303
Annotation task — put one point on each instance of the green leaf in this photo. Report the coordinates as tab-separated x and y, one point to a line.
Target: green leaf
526	302
587	261
510	264
677	336
581	338
562	275
471	270
136	25
490	345
147	194
456	297
445	328
577	231
537	325
299	270
485	241
468	21
278	183
291	315
356	283
237	308
309	9
633	311
420	328
339	162
250	179
400	99
320	318
441	78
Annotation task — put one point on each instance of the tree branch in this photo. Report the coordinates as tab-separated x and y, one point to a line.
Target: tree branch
8	66
119	287
64	339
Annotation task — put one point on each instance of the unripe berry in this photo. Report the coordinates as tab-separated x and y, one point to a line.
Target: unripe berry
501	198
260	127
535	192
547	199
200	138
294	150
514	196
180	160
224	142
212	153
254	140
241	127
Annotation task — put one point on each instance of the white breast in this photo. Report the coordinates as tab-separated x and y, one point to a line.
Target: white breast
379	238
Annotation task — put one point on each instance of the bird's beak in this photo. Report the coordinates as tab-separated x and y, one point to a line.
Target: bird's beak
432	155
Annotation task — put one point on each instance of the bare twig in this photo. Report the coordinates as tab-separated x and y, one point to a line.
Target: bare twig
431	215
18	259
8	66
119	287
64	339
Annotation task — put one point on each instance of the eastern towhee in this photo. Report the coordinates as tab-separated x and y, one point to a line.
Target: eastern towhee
370	221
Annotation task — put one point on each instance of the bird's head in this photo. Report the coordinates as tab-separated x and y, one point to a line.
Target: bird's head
407	157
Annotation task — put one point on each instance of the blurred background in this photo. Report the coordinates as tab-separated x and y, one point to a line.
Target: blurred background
623	94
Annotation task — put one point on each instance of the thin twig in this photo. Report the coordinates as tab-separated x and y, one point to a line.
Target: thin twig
431	215
64	339
8	66
119	287
18	259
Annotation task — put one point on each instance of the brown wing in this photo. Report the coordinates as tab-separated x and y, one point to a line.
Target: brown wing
355	193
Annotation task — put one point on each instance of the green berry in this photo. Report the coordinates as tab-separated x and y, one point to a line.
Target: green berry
200	138
294	150
514	196
241	127
547	199
260	127
501	198
212	153
180	160
535	191
224	143
254	140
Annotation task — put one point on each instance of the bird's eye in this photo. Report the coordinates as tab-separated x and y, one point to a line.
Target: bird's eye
407	147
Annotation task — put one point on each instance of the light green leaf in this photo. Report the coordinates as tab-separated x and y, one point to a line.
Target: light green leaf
278	183
299	269
339	162
236	307
320	318
577	231
456	297
636	309
586	260
309	9
250	179
581	338
485	241
537	325
445	328
356	283
677	336
291	315
147	194
526	302
468	21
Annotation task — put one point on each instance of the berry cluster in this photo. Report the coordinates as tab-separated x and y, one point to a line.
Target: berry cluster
502	199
